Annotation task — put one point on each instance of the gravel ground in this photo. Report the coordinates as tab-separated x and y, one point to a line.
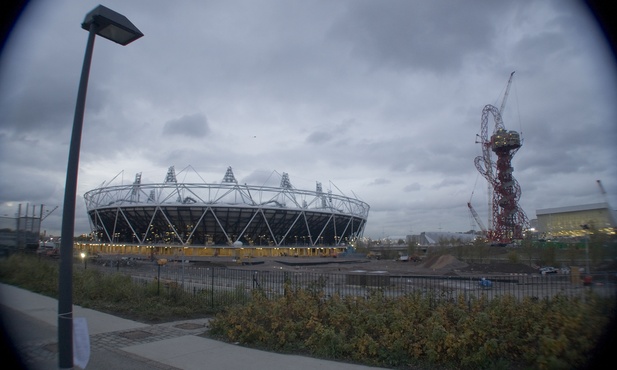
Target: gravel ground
437	265
434	265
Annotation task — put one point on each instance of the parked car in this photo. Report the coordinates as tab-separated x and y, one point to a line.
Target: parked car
53	253
45	248
485	283
548	270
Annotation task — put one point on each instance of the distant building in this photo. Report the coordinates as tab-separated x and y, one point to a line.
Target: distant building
568	221
431	238
21	231
395	239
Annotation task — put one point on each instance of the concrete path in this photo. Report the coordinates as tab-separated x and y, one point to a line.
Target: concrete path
30	320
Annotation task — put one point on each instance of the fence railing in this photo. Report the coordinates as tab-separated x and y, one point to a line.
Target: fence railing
221	286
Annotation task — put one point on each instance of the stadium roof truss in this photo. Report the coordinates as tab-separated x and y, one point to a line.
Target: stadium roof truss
224	214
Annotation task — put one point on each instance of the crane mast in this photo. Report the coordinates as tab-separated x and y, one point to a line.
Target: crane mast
611	213
505	95
477	218
602	191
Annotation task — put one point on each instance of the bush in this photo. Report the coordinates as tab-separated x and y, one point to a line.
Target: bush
414	329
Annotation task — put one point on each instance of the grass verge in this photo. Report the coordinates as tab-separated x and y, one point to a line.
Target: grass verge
111	293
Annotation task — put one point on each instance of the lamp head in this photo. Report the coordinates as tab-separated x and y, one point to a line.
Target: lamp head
111	25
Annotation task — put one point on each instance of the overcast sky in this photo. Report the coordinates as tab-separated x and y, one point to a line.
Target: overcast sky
383	99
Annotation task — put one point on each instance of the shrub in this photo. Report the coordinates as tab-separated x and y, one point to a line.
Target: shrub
417	329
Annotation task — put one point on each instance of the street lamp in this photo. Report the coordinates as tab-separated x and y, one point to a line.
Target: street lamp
586	227
117	28
160	262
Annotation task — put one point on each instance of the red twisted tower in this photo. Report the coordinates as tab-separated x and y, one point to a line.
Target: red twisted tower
507	220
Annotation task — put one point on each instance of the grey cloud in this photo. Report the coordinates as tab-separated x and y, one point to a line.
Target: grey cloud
319	137
195	125
26	186
379	181
382	98
412	187
447	183
413	35
334	133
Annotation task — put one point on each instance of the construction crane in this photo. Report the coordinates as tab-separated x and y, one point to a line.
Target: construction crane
604	194
48	213
477	218
505	95
611	214
506	219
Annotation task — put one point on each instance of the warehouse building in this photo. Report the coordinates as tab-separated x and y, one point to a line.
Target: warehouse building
575	221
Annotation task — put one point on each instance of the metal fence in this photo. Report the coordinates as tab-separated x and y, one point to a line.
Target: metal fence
221	286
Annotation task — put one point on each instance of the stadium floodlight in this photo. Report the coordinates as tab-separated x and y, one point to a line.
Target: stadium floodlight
113	26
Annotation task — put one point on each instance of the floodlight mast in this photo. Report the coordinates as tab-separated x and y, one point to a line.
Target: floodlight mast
113	26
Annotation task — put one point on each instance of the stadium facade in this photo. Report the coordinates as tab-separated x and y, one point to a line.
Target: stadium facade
223	215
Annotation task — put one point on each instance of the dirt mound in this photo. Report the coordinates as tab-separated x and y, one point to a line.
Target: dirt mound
446	261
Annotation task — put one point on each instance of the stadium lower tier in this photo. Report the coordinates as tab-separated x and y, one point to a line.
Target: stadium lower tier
224	226
175	252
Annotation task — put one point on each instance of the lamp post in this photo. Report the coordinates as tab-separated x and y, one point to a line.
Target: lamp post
160	262
586	227
83	257
183	254
117	28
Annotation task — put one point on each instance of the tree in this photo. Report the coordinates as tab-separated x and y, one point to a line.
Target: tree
597	241
527	247
548	254
412	246
480	249
574	252
362	246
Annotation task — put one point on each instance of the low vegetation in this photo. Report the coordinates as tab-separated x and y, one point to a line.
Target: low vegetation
421	330
112	293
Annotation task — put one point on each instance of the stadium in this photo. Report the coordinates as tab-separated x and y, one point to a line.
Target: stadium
211	219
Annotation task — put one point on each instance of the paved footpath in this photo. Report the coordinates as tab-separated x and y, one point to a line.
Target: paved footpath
30	319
